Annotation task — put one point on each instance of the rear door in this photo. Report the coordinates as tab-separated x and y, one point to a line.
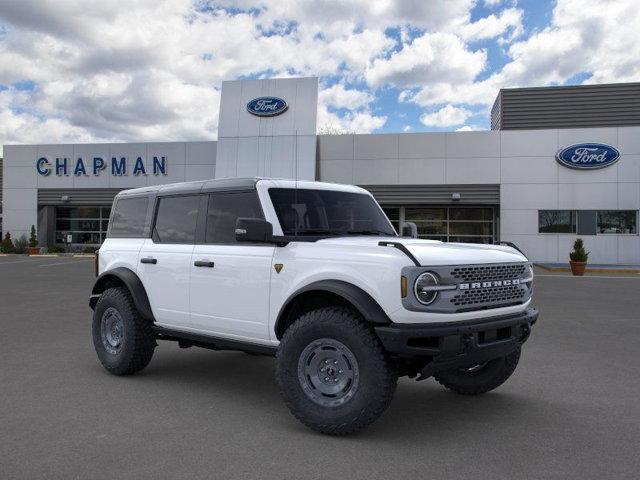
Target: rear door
230	280
164	263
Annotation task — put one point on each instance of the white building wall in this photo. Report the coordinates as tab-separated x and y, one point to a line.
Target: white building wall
184	160
521	162
282	146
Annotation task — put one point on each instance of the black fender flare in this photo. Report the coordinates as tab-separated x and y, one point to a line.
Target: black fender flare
364	303
133	284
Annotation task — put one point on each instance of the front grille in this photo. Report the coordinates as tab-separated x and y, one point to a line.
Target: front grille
490	272
495	296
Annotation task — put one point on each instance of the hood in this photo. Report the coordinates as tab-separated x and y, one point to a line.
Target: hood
434	252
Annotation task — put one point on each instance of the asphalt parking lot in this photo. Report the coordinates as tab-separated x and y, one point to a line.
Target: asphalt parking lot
571	410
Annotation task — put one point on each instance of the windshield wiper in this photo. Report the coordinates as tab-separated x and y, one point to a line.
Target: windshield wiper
369	232
313	231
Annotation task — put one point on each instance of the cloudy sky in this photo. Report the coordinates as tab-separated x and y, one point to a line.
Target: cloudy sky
82	71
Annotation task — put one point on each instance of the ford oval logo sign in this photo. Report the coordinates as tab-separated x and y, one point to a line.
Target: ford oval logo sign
588	156
267	106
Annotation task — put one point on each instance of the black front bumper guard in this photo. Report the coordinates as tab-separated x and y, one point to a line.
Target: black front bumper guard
445	346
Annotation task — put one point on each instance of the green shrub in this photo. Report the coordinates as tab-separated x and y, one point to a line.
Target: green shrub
56	249
7	244
89	249
579	254
20	245
33	238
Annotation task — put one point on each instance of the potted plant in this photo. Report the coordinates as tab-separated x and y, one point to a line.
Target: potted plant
578	258
33	242
7	244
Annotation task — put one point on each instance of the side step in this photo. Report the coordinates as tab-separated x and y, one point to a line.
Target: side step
188	339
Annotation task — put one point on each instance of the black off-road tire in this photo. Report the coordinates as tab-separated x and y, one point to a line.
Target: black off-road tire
493	374
376	378
137	340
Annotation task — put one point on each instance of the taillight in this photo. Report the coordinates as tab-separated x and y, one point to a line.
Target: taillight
95	262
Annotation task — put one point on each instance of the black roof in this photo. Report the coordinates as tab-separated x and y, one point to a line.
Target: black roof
199	186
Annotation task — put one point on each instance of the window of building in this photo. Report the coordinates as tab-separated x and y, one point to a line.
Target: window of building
129	217
618	221
557	221
176	219
223	211
453	224
86	225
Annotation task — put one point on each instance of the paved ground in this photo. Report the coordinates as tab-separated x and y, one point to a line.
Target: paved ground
572	409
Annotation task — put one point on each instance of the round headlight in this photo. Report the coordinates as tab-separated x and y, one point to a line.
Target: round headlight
421	288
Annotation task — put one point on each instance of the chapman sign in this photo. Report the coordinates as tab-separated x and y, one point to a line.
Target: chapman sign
267	106
96	165
588	156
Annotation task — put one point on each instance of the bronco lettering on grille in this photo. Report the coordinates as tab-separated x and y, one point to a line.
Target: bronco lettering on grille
493	283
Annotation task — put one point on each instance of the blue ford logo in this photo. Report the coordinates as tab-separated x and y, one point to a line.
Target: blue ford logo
588	156
267	106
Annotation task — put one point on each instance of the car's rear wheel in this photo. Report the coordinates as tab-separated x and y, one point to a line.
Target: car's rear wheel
333	373
123	340
480	378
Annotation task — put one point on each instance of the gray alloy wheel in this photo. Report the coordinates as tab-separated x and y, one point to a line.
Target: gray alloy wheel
111	330
328	372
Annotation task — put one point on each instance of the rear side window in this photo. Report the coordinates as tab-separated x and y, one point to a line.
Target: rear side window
223	211
176	219
128	218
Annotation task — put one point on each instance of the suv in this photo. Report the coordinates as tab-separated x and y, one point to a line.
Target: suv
315	275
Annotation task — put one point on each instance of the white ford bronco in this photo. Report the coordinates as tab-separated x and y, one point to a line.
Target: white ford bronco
315	275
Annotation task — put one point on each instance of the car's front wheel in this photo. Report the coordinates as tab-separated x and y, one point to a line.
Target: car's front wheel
333	373
123	340
480	378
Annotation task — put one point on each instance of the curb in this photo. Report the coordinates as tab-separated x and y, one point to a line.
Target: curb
590	269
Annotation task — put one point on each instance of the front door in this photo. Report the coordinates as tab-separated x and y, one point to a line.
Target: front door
164	262
230	280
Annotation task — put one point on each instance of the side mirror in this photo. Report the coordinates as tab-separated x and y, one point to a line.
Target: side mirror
409	229
254	230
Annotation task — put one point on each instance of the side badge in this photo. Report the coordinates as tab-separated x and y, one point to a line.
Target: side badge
278	267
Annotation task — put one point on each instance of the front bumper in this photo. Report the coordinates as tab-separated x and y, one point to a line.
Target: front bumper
458	344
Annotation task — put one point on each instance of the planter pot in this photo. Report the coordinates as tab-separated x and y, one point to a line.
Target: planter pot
578	268
34	250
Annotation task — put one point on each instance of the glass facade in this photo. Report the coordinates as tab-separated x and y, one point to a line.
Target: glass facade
448	224
86	225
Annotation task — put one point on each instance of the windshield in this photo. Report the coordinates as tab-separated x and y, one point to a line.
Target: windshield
328	212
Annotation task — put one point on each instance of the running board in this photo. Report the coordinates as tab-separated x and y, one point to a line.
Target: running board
213	343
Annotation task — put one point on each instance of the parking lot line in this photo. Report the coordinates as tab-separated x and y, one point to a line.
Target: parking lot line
64	263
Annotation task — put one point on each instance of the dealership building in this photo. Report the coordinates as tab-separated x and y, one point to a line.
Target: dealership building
559	163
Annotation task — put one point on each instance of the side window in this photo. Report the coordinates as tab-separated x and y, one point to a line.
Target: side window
224	209
129	215
176	219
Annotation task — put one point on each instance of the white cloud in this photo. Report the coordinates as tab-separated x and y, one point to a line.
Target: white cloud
407	128
432	57
492	3
469	128
338	96
447	116
509	20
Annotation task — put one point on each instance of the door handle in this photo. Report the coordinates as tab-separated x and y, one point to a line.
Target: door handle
149	260
203	263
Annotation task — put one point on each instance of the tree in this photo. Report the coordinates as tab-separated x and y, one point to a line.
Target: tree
33	238
7	244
